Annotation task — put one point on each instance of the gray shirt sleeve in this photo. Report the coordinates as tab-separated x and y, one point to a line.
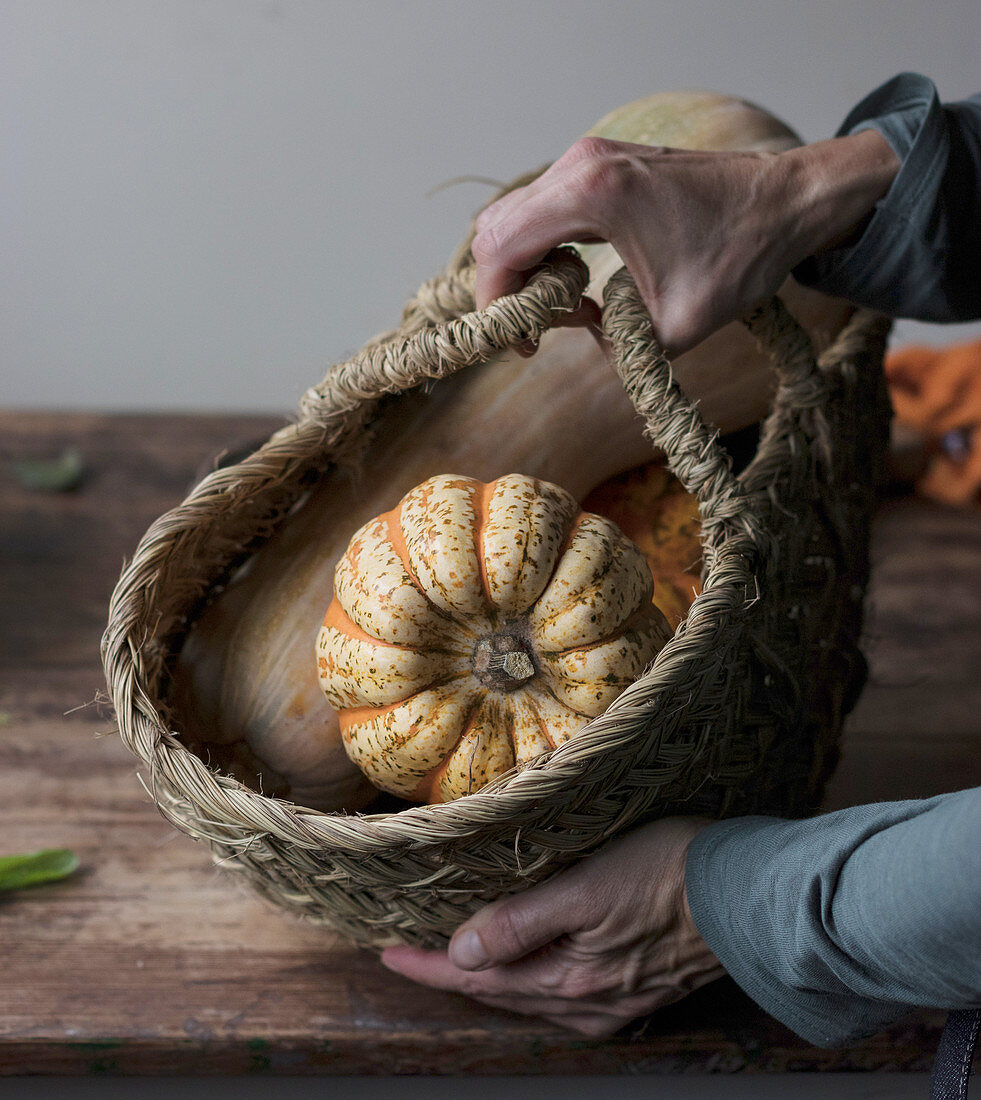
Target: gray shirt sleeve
918	257
839	924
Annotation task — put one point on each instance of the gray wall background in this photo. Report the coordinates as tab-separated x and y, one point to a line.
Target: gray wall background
207	202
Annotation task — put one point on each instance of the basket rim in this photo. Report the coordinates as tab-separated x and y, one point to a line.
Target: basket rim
501	803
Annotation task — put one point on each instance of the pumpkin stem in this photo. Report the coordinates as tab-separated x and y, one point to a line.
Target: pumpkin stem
502	661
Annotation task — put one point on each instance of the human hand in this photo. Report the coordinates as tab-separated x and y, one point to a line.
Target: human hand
600	944
706	235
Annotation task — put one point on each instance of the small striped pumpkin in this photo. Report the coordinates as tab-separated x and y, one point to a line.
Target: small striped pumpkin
476	626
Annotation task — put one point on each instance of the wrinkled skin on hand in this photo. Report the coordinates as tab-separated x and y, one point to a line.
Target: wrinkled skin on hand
595	947
706	235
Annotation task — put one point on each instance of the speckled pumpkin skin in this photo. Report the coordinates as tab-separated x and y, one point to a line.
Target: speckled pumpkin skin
476	626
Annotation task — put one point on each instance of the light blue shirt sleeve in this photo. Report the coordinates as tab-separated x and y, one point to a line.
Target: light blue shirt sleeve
842	923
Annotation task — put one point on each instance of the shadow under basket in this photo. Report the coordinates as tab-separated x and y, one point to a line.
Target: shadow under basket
740	713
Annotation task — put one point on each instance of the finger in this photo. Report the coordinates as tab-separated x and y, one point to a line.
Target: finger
586	315
432	968
541	985
514	927
507	249
519	239
583	1014
499	207
515	983
494	281
523	988
590	1025
527	348
597	333
596	1024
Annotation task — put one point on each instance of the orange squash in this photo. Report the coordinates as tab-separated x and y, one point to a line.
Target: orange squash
652	508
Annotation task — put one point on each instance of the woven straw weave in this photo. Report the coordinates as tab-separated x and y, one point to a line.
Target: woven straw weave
739	713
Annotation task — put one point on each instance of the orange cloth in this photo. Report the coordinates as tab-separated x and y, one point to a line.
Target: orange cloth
937	392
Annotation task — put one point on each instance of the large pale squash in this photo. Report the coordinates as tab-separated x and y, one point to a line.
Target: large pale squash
245	692
476	626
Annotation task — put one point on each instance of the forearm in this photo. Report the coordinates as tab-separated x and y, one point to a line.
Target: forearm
831	188
840	924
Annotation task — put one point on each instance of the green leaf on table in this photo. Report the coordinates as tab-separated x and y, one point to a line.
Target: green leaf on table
50	475
32	868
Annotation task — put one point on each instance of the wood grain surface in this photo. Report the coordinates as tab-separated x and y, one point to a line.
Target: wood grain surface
150	960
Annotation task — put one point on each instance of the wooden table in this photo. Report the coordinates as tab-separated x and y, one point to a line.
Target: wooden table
150	961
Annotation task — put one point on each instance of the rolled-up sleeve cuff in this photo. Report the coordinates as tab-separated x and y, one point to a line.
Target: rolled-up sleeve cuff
875	271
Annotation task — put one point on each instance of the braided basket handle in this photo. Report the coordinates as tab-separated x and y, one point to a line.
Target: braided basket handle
441	332
674	424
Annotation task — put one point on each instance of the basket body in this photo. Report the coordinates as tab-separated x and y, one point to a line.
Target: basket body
740	712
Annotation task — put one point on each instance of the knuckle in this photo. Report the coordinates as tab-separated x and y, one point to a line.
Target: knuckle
598	177
512	935
675	327
667	335
581	987
577	983
473	984
486	246
594	166
591	146
552	981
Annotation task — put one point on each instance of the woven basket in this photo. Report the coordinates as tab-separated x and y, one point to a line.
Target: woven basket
739	713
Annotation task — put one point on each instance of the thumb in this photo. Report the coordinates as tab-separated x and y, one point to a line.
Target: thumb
513	927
